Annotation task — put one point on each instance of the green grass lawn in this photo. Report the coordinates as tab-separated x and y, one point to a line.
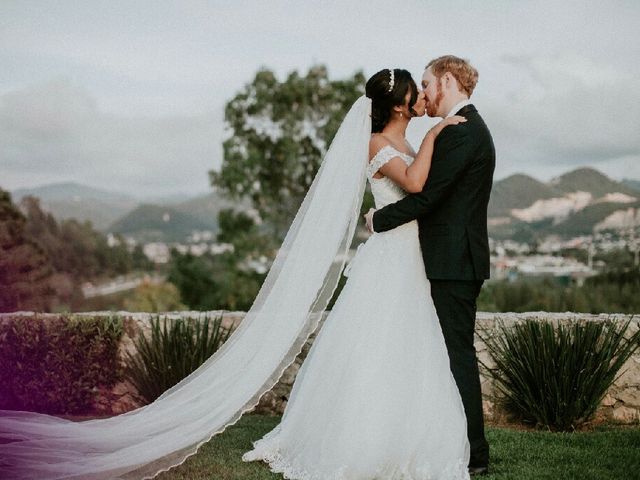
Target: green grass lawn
607	452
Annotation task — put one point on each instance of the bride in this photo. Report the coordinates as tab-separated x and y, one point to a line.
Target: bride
375	398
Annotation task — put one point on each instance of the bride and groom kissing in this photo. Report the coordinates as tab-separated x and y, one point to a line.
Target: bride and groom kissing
390	387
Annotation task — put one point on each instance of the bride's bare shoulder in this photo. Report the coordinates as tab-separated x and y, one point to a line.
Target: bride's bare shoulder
377	142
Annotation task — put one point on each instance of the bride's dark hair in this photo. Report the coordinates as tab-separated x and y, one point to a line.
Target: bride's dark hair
383	100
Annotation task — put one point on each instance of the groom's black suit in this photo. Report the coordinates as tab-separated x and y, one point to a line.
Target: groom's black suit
451	211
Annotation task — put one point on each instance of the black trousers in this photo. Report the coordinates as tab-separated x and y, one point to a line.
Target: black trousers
455	302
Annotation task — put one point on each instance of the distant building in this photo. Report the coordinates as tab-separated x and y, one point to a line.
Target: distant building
157	252
511	268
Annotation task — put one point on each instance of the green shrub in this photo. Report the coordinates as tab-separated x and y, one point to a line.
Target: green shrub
557	376
607	292
172	353
54	365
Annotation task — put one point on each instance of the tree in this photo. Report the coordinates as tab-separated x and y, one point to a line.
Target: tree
279	134
241	231
25	270
212	282
139	260
193	276
112	259
154	297
76	248
235	272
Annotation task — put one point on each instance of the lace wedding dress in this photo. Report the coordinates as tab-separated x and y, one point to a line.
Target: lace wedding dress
375	397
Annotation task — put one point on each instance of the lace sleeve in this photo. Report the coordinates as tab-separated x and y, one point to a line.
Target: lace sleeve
385	154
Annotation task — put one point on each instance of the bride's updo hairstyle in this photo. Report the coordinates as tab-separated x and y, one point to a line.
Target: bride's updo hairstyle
384	95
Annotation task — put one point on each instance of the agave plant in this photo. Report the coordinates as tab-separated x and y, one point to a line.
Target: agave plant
557	376
172	353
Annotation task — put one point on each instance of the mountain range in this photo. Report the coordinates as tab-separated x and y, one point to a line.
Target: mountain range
634	184
576	203
169	218
174	222
72	200
157	223
521	207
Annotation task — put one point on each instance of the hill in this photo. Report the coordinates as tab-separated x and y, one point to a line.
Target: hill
572	204
72	200
584	221
71	190
520	207
590	180
633	184
206	207
517	191
115	212
148	223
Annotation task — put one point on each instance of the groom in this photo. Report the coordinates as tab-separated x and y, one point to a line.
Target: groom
451	211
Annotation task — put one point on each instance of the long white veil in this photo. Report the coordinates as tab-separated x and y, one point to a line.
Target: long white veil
141	443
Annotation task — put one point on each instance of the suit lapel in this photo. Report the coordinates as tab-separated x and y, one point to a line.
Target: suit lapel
464	112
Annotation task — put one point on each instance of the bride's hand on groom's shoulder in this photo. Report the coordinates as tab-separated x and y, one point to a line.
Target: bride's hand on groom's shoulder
453	120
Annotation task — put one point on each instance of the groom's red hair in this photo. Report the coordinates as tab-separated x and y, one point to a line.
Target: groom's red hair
461	69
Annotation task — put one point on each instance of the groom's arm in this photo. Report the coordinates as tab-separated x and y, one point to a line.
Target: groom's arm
454	155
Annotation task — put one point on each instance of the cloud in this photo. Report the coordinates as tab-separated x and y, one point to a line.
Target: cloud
54	131
563	111
146	81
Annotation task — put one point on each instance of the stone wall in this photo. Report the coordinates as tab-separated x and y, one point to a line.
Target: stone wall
621	403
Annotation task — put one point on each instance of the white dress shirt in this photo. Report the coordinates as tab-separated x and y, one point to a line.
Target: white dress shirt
457	107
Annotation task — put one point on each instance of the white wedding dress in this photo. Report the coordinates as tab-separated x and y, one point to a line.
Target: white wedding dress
375	397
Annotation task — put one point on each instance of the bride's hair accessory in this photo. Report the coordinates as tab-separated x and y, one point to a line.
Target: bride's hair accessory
386	89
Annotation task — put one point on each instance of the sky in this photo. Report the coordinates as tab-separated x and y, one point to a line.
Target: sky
129	96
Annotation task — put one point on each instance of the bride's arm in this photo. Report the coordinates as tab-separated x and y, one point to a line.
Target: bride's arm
413	177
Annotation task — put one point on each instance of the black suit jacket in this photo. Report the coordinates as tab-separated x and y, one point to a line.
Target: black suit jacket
451	209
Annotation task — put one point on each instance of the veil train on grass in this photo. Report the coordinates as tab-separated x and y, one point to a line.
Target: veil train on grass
141	443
